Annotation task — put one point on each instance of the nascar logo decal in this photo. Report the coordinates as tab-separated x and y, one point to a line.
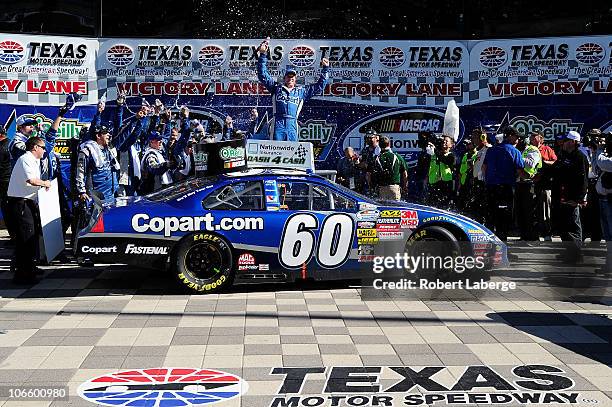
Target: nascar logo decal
11	52
163	387
120	55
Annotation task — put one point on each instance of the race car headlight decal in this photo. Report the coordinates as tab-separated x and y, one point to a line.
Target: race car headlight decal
99	226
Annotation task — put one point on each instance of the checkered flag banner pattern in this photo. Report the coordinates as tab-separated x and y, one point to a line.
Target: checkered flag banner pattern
300	152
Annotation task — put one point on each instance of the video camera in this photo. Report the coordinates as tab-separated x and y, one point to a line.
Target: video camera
426	137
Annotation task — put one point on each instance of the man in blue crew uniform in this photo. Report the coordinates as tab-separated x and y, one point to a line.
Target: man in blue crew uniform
97	168
287	98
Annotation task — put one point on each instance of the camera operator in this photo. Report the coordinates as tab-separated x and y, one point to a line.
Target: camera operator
348	170
441	171
571	171
368	157
418	182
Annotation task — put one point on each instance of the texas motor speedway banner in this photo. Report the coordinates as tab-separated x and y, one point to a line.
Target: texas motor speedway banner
396	87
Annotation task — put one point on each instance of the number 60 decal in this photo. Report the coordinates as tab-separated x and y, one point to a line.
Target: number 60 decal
298	241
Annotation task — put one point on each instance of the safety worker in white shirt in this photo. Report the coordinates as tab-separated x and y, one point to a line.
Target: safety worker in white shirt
525	190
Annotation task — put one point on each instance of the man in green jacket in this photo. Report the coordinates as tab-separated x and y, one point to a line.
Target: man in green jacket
391	172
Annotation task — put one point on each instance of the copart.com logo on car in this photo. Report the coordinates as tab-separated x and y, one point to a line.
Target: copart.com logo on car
143	223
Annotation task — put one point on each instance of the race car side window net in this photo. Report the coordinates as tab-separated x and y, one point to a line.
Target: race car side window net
238	196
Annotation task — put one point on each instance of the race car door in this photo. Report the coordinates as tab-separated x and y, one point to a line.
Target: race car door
316	226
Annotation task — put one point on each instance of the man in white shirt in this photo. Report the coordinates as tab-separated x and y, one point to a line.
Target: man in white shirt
22	194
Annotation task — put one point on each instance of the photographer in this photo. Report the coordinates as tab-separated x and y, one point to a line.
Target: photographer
466	181
441	172
603	165
592	145
348	170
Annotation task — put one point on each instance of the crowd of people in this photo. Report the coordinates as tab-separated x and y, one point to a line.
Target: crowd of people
500	180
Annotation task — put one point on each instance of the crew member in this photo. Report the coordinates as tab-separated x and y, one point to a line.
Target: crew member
525	191
603	163
500	167
571	174
391	172
5	177
287	98
479	192
542	185
97	168
466	181
22	191
155	166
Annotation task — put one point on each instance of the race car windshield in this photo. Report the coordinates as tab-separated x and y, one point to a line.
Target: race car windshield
177	190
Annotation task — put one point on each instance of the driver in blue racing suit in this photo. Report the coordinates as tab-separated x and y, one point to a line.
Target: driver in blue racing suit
287	98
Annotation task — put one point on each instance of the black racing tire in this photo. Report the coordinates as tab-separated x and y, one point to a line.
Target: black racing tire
434	241
203	263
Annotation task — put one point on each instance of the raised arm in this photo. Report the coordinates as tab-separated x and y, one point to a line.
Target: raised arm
262	68
318	87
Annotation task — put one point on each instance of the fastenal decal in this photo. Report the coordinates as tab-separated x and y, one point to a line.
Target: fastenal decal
134	249
419	386
163	387
143	223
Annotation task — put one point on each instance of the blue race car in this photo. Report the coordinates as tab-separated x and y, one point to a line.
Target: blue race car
270	225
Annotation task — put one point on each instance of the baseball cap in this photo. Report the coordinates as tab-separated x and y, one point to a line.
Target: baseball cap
102	129
371	133
573	135
25	121
194	122
511	131
290	71
155	135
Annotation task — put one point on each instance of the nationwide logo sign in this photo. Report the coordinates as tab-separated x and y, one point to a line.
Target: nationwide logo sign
163	387
590	53
391	57
11	52
120	55
211	56
302	56
492	57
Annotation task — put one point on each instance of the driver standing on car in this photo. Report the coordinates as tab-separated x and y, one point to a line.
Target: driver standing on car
288	98
97	168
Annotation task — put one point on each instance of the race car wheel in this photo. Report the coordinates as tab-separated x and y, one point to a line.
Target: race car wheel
433	241
204	263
